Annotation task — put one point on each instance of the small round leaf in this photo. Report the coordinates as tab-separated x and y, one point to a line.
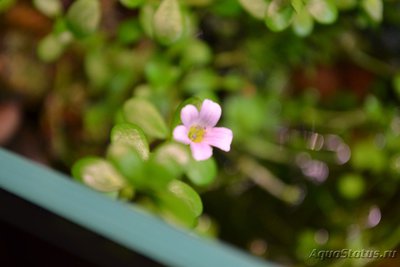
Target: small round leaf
98	174
131	135
83	17
144	114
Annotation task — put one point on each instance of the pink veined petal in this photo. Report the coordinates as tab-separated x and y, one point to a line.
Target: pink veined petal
189	115
210	113
201	151
181	134
220	137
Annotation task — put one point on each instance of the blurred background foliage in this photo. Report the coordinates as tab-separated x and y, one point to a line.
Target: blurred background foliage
310	88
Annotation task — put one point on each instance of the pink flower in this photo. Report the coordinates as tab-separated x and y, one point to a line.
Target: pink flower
199	131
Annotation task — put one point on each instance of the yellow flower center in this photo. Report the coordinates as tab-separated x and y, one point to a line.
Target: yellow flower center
196	134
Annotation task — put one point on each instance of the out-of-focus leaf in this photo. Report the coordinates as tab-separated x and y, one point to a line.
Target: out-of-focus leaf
257	8
351	186
396	84
128	161
207	227
146	18
129	31
346	4
180	204
131	135
131	3
161	74
303	23
203	172
324	11
6	4
174	157
374	9
50	48
50	8
279	15
367	156
196	53
168	21
83	17
144	114
97	67
201	80
98	174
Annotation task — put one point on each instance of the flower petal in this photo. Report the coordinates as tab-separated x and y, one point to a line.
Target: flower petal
189	115
220	137
210	113
181	134
201	151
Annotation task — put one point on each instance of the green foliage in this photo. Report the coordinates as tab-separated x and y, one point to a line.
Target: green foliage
143	113
310	89
83	17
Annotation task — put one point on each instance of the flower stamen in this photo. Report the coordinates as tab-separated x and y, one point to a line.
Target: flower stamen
196	134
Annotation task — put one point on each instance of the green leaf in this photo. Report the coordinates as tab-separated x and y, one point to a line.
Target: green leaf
131	135
279	15
143	113
196	53
129	31
374	9
396	84
128	161
160	74
303	23
146	19
50	48
180	204
83	17
200	80
173	157
367	156
202	173
256	8
351	186
168	22
324	11
131	3
50	8
98	174
6	4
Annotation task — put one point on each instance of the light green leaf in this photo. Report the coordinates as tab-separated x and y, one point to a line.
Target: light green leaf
131	135
98	174
303	23
180	204
131	3
279	15
83	17
6	4
174	157
146	18
201	80
256	8
324	11
168	22
367	156
50	48
351	186
143	113
203	172
374	9
50	8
